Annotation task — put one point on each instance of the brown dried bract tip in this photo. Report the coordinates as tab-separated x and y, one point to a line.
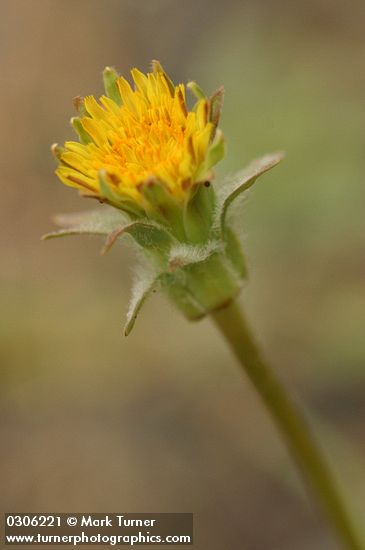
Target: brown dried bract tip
186	184
114	178
149	182
78	102
216	103
182	102
112	237
100	199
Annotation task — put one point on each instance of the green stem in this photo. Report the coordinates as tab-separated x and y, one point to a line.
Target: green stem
292	426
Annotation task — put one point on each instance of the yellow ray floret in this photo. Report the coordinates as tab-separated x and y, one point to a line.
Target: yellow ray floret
148	135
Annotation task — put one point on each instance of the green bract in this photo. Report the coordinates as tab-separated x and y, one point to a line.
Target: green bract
194	255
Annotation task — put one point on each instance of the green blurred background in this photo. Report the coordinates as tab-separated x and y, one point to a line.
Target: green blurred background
164	420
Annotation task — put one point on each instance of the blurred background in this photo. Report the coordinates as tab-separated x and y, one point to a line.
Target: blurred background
164	420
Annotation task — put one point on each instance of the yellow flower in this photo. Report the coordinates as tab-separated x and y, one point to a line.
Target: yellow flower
135	136
143	152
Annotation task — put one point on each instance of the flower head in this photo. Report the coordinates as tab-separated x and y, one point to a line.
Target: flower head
137	136
149	157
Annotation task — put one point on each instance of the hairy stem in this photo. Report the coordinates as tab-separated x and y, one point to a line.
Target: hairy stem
303	448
